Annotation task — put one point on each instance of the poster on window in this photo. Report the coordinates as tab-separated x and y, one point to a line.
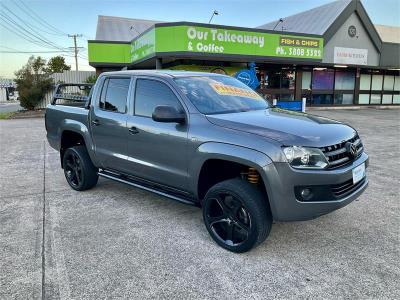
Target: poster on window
351	56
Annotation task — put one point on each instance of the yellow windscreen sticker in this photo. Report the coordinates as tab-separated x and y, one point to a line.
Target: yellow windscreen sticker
229	90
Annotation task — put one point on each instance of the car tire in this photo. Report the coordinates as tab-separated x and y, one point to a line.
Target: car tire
237	215
79	170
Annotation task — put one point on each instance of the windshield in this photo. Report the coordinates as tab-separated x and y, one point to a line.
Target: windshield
220	95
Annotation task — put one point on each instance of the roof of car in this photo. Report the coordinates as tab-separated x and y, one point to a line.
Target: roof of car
162	73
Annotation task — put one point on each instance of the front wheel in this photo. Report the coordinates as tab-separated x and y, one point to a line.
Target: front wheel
79	170
236	215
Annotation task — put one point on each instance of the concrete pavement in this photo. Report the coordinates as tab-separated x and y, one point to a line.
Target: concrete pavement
116	241
9	107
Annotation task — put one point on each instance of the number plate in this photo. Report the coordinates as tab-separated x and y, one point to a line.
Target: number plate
358	173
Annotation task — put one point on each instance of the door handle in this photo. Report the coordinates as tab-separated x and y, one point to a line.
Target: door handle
133	130
96	122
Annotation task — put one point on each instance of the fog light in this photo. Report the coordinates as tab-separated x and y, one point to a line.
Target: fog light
306	194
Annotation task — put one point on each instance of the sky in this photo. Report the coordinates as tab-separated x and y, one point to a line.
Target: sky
52	20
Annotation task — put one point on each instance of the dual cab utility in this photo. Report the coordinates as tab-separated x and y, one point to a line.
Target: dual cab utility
208	140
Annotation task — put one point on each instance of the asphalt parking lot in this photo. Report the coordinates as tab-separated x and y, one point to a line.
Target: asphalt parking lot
116	241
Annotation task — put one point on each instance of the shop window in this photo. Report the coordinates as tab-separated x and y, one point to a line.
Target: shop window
397	83
286	97
375	98
377	81
387	99
323	79
343	99
280	97
279	84
322	99
344	80
288	79
388	83
273	79
365	82
363	99
396	99
280	79
306	81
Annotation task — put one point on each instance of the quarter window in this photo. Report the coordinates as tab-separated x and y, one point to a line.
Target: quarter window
152	93
115	94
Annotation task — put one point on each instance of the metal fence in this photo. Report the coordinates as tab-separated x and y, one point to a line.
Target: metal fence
5	86
65	77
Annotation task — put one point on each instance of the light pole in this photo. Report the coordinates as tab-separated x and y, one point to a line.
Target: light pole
215	13
133	28
279	22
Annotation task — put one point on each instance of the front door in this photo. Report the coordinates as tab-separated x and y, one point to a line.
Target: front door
108	123
157	151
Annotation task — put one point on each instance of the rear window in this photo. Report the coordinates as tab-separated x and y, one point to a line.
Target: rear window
115	94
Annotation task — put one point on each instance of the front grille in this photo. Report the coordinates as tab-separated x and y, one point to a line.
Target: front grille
346	188
337	154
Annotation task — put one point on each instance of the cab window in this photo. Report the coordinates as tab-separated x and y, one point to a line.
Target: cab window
114	94
151	93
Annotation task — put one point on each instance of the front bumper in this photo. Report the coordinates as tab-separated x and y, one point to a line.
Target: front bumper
281	179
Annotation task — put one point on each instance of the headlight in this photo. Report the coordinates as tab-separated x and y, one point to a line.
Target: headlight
305	158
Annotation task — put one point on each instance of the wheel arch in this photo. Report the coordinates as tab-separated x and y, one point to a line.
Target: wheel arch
73	133
221	153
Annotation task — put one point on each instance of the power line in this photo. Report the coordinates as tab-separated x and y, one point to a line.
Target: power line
29	32
41	20
27	39
36	35
13	50
21	34
16	51
85	37
42	41
8	48
35	19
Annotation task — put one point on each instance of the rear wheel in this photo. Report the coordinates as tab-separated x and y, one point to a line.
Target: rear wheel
236	215
79	170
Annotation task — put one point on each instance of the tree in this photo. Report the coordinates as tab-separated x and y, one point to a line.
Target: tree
33	82
92	79
57	64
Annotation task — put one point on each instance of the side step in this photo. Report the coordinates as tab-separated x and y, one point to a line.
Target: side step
126	180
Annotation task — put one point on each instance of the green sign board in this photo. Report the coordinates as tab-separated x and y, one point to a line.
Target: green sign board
236	42
208	40
112	53
143	46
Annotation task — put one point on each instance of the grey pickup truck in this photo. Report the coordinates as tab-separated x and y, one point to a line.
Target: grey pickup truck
207	140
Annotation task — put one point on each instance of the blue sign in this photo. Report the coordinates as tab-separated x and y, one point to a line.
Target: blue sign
249	76
290	105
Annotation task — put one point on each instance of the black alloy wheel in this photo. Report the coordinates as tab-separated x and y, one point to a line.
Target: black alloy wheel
73	169
79	170
228	219
237	215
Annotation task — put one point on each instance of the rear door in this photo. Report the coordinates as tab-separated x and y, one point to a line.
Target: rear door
108	122
157	151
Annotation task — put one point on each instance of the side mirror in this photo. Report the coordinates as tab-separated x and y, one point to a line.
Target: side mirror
167	114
